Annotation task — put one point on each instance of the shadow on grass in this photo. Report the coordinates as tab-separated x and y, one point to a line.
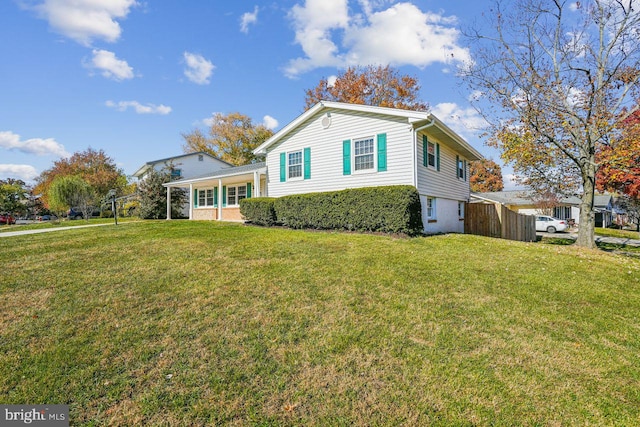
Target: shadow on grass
562	241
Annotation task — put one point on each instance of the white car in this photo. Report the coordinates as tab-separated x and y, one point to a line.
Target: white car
550	224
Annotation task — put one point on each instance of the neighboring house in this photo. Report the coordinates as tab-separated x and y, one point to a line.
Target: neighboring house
184	166
335	146
567	208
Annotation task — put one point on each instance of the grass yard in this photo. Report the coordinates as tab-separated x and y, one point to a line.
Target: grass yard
201	323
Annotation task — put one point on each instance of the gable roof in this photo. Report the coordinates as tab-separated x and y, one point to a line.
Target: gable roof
222	173
141	171
417	119
525	197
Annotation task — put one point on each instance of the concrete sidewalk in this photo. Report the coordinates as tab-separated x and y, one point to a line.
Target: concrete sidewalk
47	230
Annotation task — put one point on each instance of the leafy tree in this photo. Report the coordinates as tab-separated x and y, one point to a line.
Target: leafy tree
232	138
370	85
555	78
66	192
620	161
13	194
153	196
94	167
485	176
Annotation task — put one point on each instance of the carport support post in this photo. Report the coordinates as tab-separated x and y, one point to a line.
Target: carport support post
168	203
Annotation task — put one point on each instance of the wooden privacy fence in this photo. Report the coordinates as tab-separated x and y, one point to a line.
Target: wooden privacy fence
495	220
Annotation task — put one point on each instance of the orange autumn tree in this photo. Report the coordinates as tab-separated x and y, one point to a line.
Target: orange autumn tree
93	166
619	161
370	85
232	137
485	176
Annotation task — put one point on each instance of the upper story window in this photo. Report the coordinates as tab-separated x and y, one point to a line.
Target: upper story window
461	168
200	157
295	164
363	154
431	154
176	173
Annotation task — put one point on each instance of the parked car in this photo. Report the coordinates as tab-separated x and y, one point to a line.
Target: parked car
7	219
46	217
76	213
550	224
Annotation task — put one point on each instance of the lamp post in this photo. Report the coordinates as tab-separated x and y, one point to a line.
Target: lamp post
112	195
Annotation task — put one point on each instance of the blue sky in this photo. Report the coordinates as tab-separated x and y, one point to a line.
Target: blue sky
129	76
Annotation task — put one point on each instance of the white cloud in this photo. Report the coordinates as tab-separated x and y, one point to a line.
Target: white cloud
85	20
111	67
198	69
139	108
269	122
331	80
465	121
248	18
23	172
399	35
38	146
313	24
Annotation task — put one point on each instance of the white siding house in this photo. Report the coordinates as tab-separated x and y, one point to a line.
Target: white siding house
334	146
183	167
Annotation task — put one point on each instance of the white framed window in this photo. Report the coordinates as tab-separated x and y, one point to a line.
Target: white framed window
176	173
205	197
295	164
461	210
431	208
431	154
200	157
235	194
364	154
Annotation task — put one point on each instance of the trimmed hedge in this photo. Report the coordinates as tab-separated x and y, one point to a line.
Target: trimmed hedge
259	210
392	209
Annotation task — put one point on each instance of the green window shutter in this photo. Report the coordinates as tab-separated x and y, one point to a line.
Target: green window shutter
248	190
215	197
195	198
382	152
457	166
425	149
346	157
224	196
283	167
437	157
307	163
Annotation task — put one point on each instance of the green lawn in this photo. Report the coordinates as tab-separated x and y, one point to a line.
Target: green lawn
611	232
201	323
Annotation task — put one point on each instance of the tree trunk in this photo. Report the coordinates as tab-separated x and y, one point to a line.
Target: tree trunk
586	228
